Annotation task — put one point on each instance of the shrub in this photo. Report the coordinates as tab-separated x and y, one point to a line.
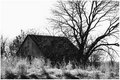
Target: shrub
38	63
81	75
111	75
97	76
17	68
69	66
7	66
67	75
36	67
22	66
10	75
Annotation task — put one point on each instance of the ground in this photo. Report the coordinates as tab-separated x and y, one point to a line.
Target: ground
16	68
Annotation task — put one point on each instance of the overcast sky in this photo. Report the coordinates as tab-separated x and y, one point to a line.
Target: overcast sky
24	14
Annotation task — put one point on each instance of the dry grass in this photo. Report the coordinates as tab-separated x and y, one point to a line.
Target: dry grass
14	68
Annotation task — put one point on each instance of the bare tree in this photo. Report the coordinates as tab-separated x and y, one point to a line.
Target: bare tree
79	19
3	42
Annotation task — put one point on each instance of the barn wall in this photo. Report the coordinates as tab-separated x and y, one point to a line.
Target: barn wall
34	50
29	48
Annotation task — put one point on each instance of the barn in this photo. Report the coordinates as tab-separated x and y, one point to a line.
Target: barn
53	48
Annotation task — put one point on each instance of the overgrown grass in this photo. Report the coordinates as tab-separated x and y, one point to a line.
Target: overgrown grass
17	68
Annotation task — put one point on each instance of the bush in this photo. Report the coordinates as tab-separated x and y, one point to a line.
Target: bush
97	76
10	75
15	68
21	67
67	75
7	66
37	63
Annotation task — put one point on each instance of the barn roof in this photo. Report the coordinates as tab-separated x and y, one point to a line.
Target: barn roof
52	45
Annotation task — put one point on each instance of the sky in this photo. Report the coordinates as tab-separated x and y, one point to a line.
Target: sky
17	15
24	14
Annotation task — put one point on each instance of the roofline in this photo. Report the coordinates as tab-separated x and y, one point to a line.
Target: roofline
24	42
46	36
43	36
35	42
21	44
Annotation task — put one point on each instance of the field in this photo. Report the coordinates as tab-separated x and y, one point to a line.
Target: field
17	68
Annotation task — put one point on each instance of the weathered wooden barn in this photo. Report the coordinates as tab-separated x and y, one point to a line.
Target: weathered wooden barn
50	47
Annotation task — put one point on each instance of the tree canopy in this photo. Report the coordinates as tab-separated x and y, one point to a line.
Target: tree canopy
79	19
